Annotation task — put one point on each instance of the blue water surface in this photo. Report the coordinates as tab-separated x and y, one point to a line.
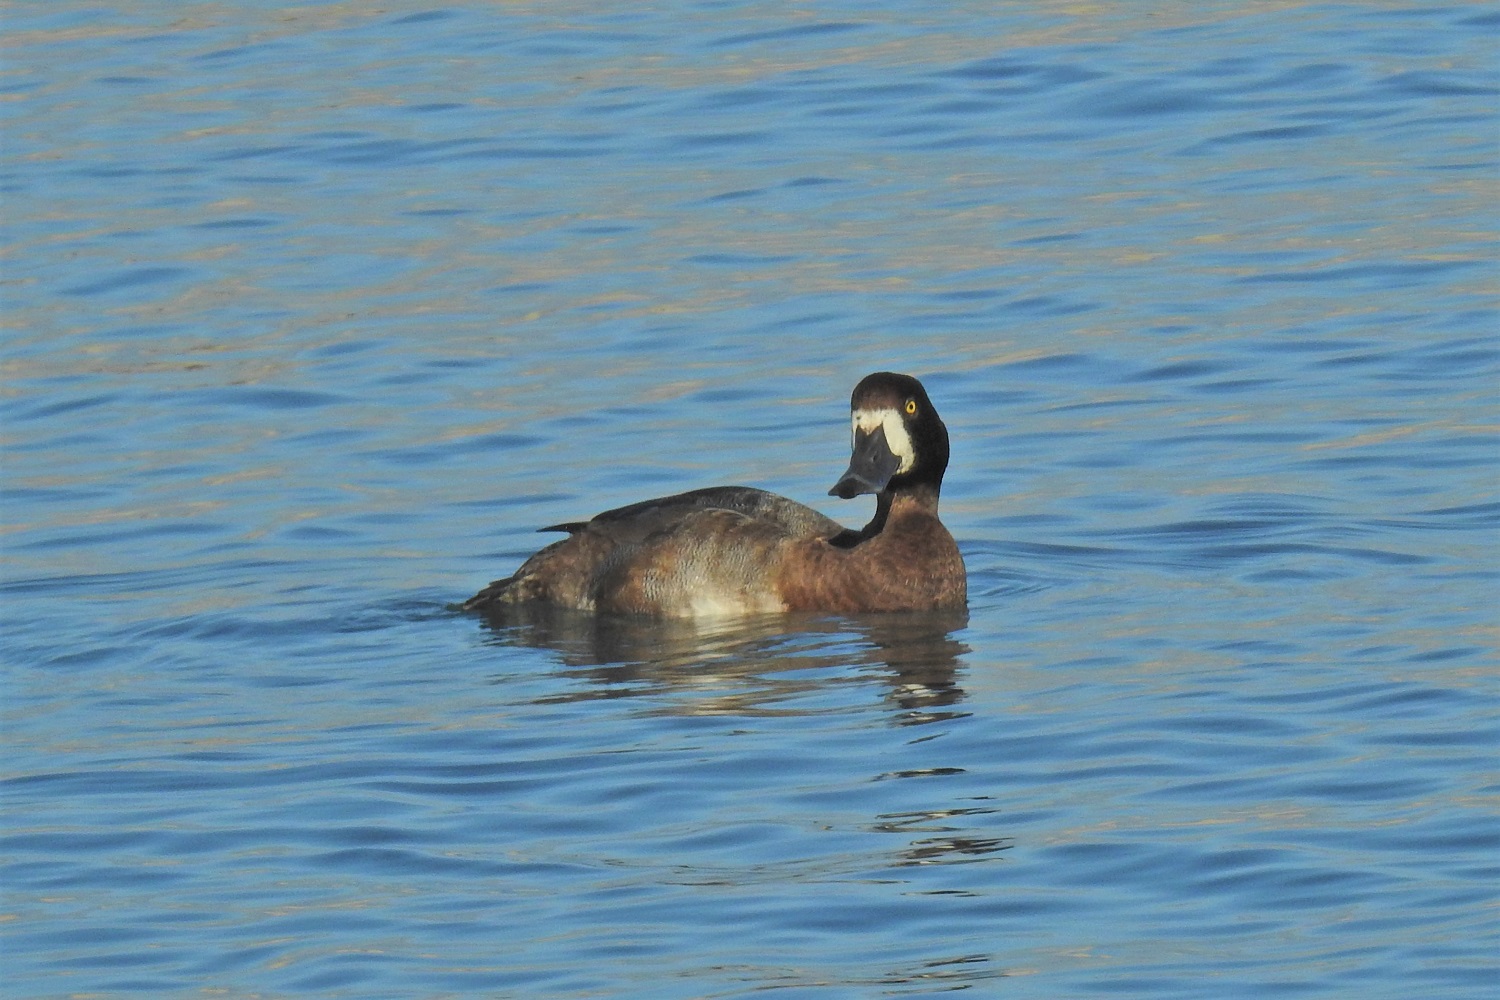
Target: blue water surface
315	312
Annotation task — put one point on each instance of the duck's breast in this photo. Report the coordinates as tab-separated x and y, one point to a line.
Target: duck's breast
911	565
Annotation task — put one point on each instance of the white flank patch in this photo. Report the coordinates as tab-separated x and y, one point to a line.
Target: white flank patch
712	604
895	433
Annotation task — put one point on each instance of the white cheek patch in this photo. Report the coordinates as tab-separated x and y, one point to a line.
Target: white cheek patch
895	433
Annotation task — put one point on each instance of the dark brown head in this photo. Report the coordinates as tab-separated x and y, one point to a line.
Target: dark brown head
900	443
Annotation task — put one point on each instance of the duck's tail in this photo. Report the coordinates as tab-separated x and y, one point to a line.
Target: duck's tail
495	593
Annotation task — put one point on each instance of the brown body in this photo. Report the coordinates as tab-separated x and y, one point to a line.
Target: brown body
911	564
733	550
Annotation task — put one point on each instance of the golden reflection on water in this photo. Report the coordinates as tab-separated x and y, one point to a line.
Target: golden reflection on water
754	666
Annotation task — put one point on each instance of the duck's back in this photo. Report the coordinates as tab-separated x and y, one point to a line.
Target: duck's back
672	513
705	552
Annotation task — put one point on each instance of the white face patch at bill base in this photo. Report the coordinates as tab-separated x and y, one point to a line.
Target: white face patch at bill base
896	437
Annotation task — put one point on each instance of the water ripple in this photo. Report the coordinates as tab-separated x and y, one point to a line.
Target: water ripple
314	319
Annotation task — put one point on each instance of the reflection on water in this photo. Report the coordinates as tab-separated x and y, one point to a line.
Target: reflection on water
953	848
746	665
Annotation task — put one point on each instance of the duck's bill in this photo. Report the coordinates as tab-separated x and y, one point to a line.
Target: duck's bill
871	467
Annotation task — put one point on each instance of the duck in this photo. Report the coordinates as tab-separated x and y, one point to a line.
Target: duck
730	551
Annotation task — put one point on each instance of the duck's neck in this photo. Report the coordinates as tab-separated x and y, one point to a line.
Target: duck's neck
922	497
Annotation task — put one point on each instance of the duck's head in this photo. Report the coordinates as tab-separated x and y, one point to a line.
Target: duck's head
900	443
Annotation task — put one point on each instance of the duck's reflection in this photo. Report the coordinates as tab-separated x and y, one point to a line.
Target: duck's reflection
768	665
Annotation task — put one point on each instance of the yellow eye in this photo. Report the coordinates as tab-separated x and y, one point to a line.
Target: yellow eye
911	407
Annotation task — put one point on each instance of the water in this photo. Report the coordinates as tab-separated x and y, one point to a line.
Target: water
314	313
